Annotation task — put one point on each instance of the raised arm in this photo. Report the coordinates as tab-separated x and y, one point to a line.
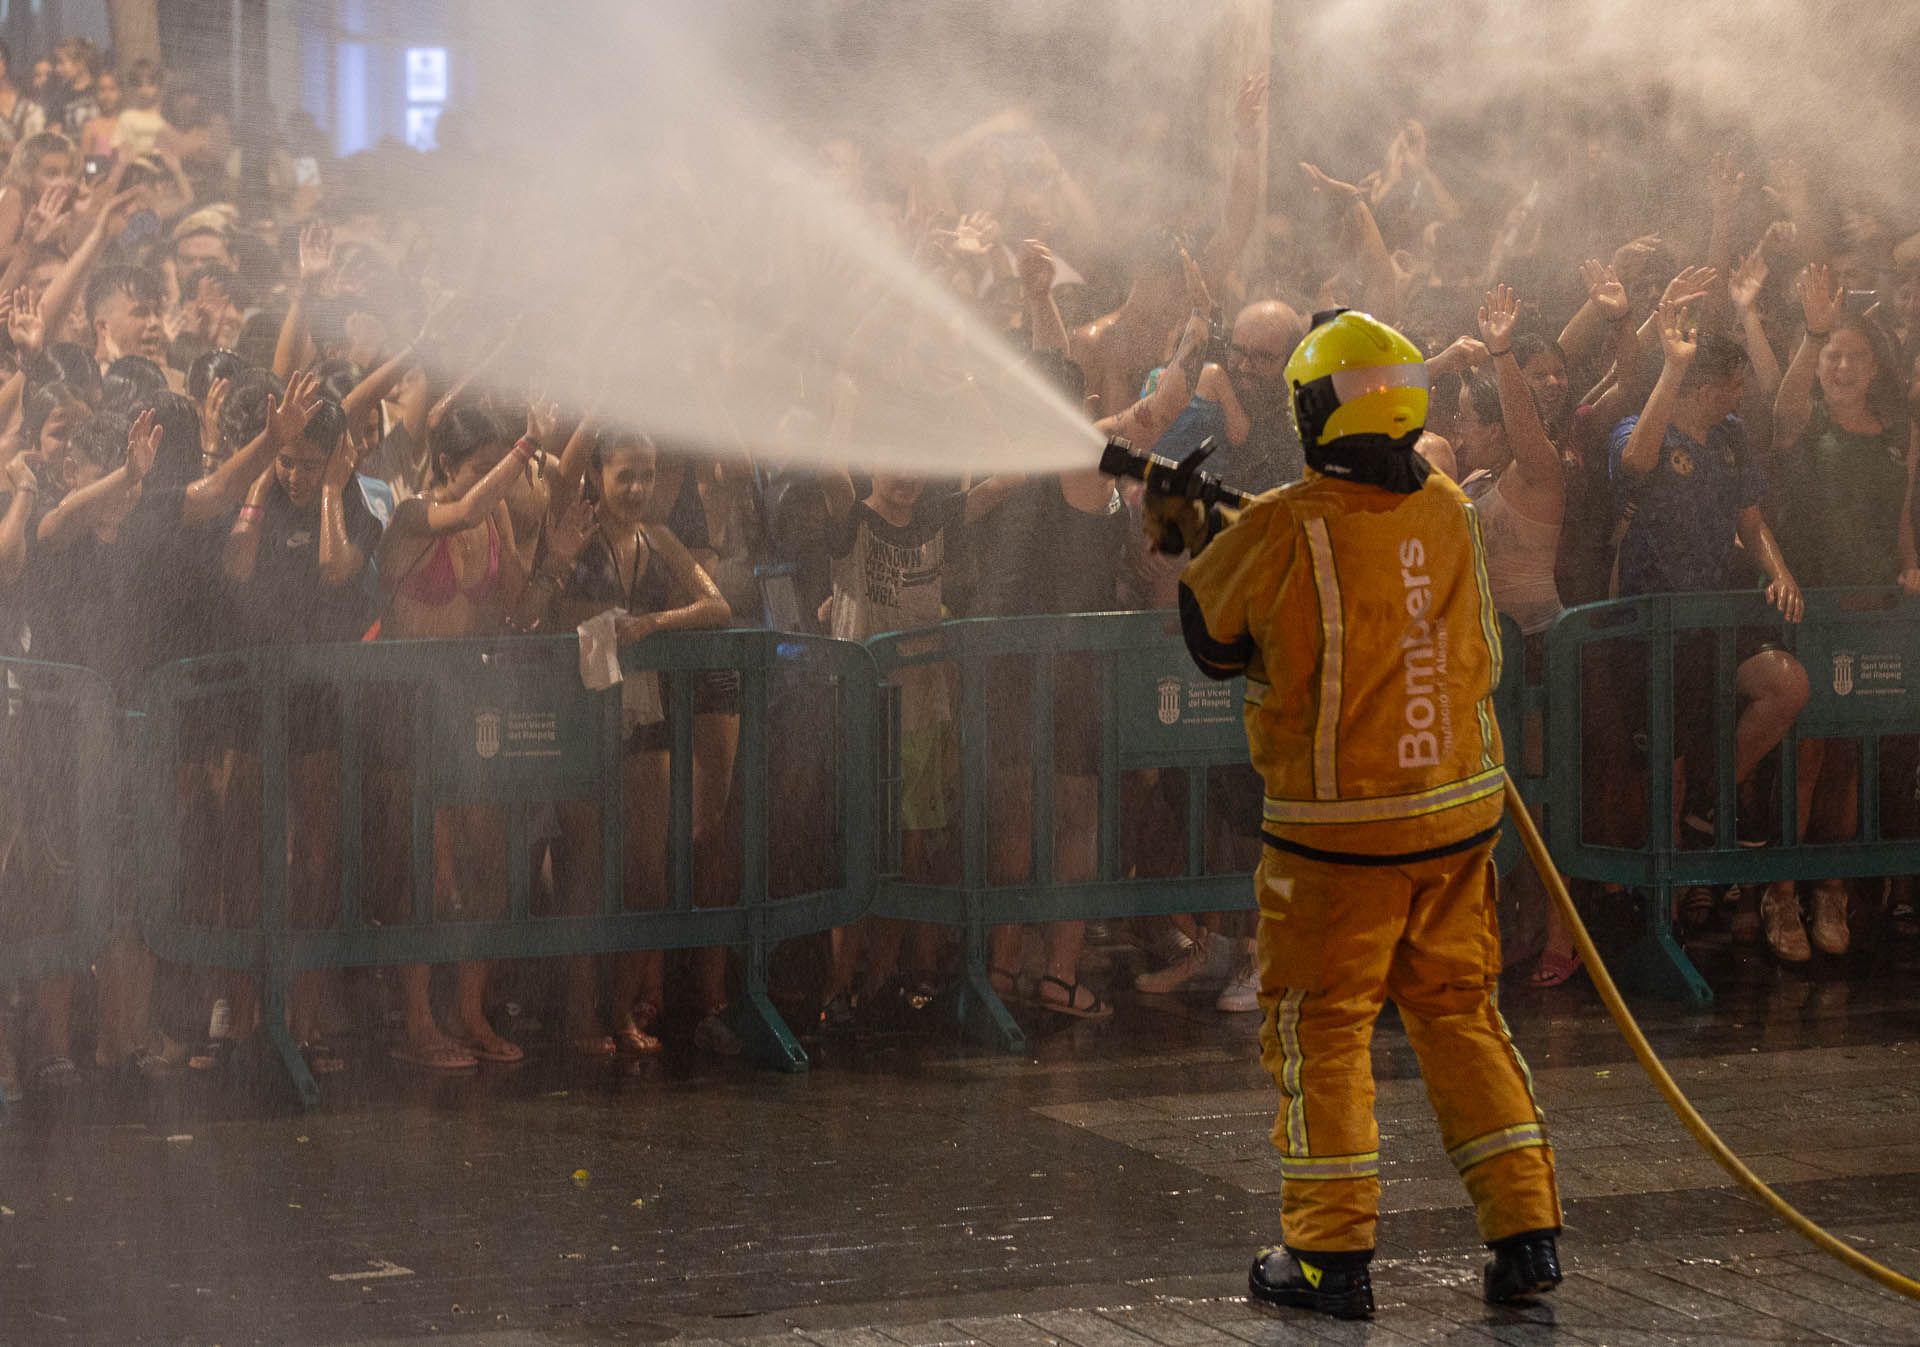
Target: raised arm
1679	340
1534	457
70	282
340	561
1793	404
1147	420
80	509
13	521
293	350
1744	291
420	517
1606	306
227	484
1725	185
1045	327
1242	206
1361	236
241	552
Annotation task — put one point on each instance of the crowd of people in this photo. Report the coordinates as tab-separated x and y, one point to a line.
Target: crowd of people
1697	371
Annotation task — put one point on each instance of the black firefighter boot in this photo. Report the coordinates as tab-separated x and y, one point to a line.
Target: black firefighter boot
1523	1265
1329	1283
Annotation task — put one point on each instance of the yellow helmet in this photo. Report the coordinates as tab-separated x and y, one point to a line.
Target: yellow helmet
1355	376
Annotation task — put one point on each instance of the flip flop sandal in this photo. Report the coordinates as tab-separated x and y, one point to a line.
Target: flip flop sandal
1554	970
592	1045
502	1053
1099	1010
449	1058
636	1043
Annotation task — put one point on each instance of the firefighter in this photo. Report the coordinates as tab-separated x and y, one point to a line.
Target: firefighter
1355	603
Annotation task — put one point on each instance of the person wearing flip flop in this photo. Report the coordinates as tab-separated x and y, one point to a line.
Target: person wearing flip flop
1355	603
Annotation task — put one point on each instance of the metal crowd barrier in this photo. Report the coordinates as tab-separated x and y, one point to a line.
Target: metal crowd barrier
1861	651
1155	711
60	824
506	724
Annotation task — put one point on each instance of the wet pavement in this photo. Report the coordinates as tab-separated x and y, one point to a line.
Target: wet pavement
1105	1190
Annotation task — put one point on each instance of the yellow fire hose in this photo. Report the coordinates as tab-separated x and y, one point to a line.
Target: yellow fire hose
1712	1144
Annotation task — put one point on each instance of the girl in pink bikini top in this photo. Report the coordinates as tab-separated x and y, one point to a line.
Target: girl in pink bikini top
431	534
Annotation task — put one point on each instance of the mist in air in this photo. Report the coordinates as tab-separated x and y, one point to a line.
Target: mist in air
706	216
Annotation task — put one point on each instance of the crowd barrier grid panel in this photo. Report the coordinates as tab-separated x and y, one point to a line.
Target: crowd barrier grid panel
506	722
1157	711
29	687
1861	652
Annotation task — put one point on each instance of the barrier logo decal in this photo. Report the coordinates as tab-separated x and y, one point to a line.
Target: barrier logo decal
1169	701
1843	673
486	733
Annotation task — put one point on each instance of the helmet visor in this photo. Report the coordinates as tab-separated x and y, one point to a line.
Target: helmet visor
1349	384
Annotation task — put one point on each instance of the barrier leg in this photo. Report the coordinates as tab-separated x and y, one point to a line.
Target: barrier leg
1656	963
769	1041
974	1005
274	996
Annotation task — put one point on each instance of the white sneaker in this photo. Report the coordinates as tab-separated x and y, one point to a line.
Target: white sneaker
1242	992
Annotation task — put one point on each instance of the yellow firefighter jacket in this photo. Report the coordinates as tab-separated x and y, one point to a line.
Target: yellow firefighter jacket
1362	620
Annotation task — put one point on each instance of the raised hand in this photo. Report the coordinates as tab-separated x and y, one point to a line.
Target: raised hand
1249	108
143	443
1035	263
24	323
49	214
1497	318
543	422
316	252
1332	189
216	399
1819	298
1679	338
977	234
1725	184
287	417
1788	189
342	463
1604	289
1413	143
1690	285
1198	300
569	532
1748	278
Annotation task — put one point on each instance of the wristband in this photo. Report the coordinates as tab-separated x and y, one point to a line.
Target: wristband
251	512
1495	355
526	447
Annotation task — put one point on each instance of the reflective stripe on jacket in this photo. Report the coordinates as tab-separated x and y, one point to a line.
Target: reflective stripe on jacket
1362	621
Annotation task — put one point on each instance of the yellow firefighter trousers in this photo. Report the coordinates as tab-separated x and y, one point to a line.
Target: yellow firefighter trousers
1334	942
